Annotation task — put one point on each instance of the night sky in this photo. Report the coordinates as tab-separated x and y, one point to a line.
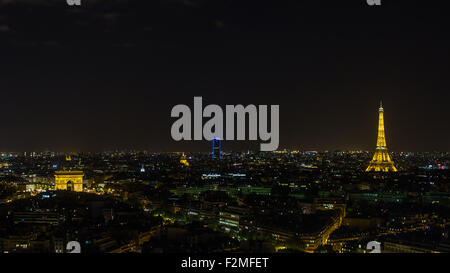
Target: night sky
107	74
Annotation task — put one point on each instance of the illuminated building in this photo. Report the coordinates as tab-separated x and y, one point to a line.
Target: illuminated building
183	160
229	221
69	180
381	162
216	147
38	186
229	218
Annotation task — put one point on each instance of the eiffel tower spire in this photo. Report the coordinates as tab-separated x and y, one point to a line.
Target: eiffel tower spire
381	161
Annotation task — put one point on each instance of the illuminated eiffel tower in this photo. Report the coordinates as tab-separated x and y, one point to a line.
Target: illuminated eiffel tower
381	162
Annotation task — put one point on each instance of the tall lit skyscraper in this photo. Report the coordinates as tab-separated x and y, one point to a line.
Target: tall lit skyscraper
216	147
381	162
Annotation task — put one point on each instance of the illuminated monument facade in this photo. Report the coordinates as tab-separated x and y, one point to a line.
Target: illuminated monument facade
183	160
381	162
69	180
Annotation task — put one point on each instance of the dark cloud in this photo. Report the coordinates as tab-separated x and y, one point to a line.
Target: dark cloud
105	75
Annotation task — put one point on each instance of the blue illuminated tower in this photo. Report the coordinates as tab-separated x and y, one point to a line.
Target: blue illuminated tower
216	146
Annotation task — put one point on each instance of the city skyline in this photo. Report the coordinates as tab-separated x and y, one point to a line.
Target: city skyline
299	202
223	135
249	145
